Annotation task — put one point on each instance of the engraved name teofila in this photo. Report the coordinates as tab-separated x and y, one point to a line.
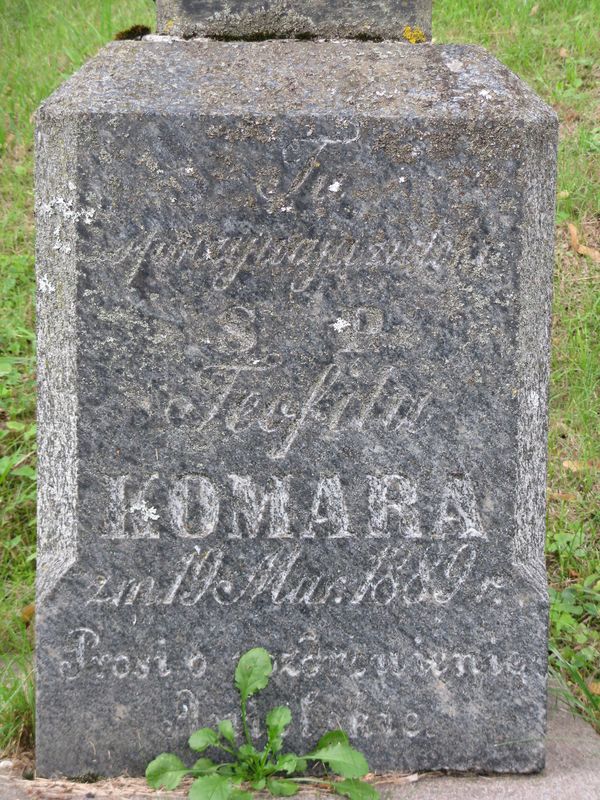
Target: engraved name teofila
336	400
406	563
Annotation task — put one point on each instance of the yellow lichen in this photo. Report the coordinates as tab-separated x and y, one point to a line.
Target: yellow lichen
169	25
413	35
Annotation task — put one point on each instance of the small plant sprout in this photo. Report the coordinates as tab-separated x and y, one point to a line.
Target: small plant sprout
270	768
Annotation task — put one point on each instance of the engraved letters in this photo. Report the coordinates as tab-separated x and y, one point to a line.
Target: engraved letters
339	398
393	495
286	576
86	653
196	507
251	505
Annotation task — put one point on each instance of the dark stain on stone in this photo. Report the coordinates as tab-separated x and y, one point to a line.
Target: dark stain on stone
135	32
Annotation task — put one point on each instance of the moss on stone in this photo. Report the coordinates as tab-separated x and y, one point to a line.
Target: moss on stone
414	35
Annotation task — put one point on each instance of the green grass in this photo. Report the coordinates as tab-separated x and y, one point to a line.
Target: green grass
557	50
17	691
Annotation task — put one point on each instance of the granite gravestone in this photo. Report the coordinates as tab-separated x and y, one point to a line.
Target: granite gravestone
293	359
289	19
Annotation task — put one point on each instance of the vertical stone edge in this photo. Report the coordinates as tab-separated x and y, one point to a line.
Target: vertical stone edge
533	345
56	219
533	365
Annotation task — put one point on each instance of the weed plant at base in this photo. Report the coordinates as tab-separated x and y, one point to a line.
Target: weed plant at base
248	768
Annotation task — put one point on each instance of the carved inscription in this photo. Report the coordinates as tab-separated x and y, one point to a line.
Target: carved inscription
241	381
286	575
339	398
397	543
308	263
85	652
189	715
196	507
310	659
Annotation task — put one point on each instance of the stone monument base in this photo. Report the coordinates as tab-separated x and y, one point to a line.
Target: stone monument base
572	773
293	361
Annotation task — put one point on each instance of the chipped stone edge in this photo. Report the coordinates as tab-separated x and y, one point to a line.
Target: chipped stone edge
278	21
56	219
533	356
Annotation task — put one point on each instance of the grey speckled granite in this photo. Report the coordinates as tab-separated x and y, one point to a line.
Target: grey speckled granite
243	19
572	773
294	305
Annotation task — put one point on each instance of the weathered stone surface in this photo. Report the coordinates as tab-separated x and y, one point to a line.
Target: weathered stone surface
252	19
293	358
572	773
